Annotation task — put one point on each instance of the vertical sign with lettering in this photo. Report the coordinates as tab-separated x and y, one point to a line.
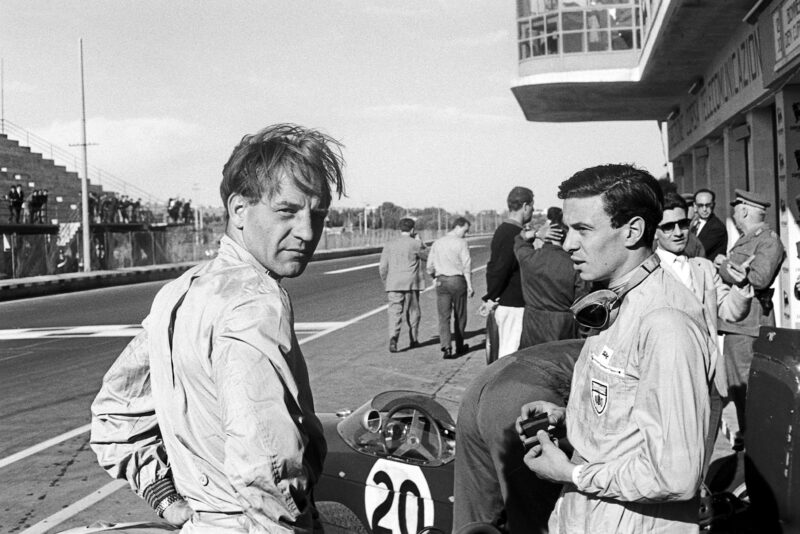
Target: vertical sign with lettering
786	23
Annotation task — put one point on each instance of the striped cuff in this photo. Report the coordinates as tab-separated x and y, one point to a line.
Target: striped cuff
158	491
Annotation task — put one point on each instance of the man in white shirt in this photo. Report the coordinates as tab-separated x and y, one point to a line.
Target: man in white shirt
701	277
450	264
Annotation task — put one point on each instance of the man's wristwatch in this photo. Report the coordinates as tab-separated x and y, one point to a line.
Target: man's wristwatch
164	503
161	494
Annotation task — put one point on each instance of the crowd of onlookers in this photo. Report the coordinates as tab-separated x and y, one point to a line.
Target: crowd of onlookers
26	209
180	211
31	208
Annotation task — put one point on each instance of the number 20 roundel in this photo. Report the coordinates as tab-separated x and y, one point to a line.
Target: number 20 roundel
397	498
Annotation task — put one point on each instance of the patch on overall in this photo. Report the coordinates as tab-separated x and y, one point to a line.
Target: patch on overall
599	396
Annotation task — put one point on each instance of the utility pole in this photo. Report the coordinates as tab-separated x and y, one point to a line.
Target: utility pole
2	98
198	223
87	257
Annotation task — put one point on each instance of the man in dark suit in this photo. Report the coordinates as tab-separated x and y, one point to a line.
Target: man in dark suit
707	227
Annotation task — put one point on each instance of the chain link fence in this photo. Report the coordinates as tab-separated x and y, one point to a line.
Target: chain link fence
112	248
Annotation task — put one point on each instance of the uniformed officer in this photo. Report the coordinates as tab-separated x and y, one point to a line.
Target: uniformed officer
759	242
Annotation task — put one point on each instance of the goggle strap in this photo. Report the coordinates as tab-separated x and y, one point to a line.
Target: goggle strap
596	297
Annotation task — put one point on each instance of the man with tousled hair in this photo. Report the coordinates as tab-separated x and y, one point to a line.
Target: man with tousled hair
638	408
208	413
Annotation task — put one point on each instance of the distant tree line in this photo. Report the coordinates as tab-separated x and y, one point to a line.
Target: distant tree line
388	214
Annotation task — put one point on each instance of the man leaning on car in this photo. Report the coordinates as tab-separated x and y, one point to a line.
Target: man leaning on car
208	413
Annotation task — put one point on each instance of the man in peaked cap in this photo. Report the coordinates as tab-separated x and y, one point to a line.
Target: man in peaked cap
759	242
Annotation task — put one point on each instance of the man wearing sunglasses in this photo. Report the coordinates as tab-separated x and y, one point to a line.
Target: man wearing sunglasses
638	408
720	300
707	227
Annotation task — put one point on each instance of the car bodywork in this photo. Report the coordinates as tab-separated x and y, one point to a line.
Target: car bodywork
389	468
391	487
390	463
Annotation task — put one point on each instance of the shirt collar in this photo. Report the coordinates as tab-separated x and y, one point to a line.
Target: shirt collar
668	257
229	247
512	221
757	229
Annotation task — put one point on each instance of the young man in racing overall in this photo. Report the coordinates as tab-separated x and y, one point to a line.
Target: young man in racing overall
208	413
638	409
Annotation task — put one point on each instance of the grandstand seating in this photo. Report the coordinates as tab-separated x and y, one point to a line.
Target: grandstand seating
20	166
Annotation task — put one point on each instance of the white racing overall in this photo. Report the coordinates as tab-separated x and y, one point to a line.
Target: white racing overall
215	393
638	416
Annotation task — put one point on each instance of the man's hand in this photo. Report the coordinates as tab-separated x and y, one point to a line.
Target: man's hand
738	273
548	461
719	260
486	307
550	233
528	233
178	513
556	415
470	292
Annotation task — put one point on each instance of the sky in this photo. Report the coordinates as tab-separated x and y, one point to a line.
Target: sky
417	91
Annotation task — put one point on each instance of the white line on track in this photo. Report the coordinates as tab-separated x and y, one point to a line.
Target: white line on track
356	268
8	460
107	330
115	330
84	503
75	508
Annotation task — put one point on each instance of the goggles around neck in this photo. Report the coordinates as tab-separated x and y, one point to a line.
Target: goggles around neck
594	310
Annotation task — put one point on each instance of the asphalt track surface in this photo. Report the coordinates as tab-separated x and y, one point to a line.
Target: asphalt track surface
54	351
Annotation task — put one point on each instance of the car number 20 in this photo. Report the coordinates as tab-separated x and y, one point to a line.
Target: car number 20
397	498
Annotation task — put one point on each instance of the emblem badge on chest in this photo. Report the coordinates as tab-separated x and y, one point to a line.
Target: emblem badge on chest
599	396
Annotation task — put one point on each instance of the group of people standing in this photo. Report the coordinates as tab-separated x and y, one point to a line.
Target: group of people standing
641	391
209	416
110	208
449	263
180	210
32	209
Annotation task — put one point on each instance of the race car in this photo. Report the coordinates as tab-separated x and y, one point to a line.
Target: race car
389	467
390	462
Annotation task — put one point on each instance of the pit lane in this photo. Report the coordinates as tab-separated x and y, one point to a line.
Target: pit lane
54	351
